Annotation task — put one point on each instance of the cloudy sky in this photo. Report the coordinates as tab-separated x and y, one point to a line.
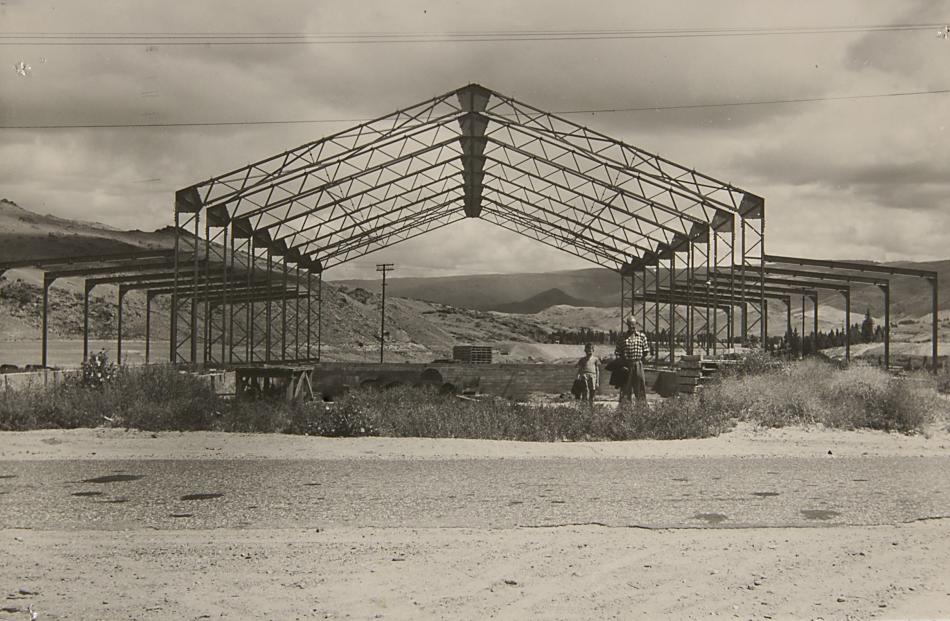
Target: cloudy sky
859	170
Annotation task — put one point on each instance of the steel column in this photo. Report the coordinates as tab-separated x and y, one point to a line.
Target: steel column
319	316
87	289
148	325
934	320
847	320
44	355
887	326
118	340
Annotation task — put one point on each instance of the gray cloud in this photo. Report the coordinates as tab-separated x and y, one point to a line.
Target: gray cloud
847	154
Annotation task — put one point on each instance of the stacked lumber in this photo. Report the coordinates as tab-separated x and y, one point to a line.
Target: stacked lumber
472	354
693	371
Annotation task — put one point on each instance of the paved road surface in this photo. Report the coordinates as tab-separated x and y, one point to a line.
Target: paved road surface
477	493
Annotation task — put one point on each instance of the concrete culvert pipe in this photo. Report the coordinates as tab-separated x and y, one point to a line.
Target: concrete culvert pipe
431	376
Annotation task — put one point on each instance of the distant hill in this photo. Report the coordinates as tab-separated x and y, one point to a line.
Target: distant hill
25	234
540	302
418	330
425	316
598	287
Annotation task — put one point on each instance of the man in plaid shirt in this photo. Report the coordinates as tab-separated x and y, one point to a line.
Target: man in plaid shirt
632	349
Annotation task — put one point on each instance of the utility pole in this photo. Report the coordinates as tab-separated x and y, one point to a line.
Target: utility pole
384	268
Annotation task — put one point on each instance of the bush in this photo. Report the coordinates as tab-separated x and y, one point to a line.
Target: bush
813	391
419	412
97	371
157	398
254	416
345	419
149	398
943	381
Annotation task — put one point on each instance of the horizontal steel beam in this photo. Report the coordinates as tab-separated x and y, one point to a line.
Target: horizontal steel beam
851	265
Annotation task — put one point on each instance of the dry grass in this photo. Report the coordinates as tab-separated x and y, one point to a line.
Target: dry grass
411	412
813	391
810	392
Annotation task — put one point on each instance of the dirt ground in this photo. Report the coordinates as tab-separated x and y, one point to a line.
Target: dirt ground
569	572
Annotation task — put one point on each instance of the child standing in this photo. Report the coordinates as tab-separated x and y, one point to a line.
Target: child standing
588	370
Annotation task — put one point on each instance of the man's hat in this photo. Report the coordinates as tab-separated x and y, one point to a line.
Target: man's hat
631	321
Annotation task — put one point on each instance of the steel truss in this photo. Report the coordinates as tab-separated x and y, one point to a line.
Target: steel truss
690	248
469	153
245	275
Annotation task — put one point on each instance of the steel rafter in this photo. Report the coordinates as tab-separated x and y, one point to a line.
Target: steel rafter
467	153
235	185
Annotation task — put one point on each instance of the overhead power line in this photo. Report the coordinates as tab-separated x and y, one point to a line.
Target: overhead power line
725	104
307	38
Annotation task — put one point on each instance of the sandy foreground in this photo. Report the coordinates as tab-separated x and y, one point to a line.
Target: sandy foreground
898	571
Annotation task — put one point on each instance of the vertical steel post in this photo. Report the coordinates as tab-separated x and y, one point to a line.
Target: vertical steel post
47	282
226	335
622	296
643	307
803	325
815	321
319	315
208	307
173	328
656	312
118	341
283	313
87	289
715	301
251	267
672	309
267	330
887	326
297	312
309	311
847	320
690	273
934	320
148	325
788	326
232	309
194	294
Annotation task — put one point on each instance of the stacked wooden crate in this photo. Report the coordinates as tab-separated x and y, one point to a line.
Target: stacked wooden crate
689	373
472	354
694	371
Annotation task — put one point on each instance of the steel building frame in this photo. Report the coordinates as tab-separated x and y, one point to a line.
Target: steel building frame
469	153
251	245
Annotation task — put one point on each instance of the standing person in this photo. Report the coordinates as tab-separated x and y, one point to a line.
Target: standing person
632	349
588	371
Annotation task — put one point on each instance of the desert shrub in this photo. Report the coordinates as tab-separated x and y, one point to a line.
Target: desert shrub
254	416
813	391
415	412
346	418
778	397
676	418
159	397
754	362
97	371
943	381
149	398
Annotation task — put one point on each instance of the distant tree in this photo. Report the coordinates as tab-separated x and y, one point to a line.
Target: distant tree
867	328
794	343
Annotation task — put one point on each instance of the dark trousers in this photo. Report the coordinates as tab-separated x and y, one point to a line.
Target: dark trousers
636	384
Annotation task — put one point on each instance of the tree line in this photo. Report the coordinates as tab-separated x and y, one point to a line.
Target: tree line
792	342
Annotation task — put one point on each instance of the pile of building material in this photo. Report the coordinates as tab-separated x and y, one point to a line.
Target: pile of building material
472	354
693	371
